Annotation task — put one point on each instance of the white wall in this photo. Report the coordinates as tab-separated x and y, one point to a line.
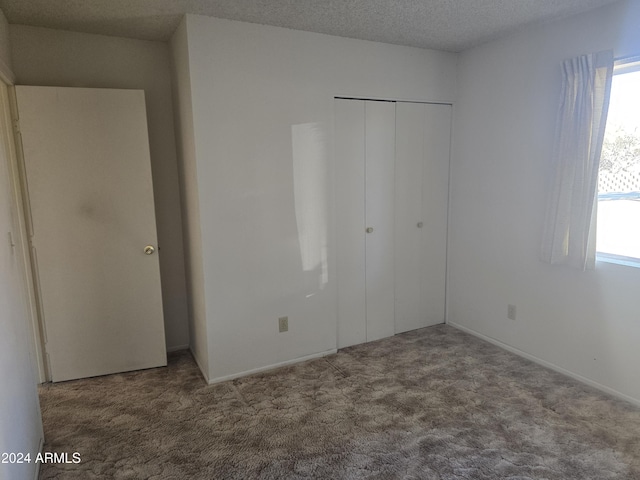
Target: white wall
183	110
20	423
587	323
256	90
53	57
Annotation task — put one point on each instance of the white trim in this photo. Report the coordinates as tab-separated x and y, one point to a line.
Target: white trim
177	348
37	464
618	260
449	236
26	228
626	65
273	366
548	365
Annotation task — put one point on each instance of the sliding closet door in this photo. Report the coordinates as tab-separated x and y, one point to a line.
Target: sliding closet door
350	221
422	183
365	153
410	159
379	196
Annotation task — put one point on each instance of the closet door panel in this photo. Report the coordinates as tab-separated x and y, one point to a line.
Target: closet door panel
379	199
435	179
410	158
350	220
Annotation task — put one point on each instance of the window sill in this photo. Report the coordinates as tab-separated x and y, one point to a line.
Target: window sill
618	259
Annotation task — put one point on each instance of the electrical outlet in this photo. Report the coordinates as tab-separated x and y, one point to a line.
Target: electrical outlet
511	312
283	324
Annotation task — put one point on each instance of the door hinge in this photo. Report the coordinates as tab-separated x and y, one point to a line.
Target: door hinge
16	126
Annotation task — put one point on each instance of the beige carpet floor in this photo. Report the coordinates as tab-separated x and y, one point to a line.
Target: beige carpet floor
434	403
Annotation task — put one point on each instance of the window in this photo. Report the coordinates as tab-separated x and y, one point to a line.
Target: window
618	225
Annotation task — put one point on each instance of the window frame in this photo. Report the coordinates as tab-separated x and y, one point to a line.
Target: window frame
621	66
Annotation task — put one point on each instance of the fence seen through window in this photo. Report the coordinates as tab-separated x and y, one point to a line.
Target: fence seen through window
618	221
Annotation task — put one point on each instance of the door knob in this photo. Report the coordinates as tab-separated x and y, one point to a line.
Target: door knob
369	230
420	224
149	249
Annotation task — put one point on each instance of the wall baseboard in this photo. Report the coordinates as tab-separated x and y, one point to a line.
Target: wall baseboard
177	348
37	464
272	367
549	365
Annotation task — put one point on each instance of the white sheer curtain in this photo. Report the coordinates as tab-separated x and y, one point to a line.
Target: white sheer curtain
569	235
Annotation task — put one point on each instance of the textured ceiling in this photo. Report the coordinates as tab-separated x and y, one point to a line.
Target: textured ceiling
452	25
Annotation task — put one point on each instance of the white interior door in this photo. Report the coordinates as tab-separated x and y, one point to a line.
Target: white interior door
87	165
422	183
379	201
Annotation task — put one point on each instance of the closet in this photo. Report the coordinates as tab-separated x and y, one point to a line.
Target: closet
392	176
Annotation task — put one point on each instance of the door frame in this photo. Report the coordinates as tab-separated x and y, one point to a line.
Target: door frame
11	140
